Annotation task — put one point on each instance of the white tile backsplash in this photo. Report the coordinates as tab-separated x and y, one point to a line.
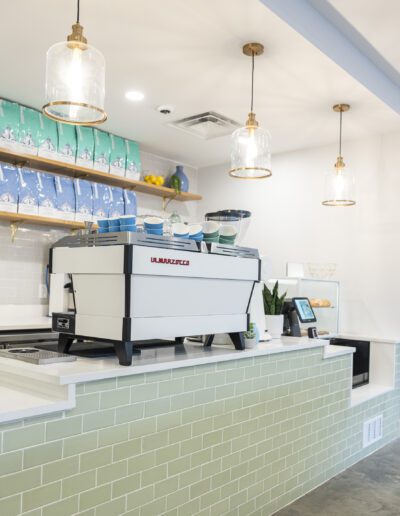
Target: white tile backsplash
23	262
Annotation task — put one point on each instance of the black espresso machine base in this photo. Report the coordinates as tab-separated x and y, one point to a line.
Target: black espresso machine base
64	324
95	347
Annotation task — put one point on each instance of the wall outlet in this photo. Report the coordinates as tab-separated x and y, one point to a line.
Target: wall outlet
373	430
43	294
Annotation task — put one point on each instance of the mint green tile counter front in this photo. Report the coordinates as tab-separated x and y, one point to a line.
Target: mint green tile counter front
241	437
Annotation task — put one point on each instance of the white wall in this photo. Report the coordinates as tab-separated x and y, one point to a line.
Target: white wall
289	224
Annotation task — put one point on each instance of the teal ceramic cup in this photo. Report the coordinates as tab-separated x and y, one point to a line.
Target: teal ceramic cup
211	230
208	239
103	223
128	227
180	230
227	234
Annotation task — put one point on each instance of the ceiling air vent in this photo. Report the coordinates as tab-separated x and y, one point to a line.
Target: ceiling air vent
206	125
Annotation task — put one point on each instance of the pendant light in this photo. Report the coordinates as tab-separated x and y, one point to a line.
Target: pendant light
339	183
75	77
251	144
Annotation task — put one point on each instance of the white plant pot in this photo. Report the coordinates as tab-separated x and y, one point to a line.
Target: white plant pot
250	343
274	325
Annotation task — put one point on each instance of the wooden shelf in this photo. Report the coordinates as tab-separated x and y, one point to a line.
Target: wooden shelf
72	170
20	218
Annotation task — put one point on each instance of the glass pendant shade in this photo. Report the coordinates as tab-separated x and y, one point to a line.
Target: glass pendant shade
250	153
251	144
339	183
339	187
75	83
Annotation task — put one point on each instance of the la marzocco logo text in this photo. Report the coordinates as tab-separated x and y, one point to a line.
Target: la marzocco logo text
169	261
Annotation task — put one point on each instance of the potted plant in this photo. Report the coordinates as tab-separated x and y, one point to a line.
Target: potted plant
273	306
251	336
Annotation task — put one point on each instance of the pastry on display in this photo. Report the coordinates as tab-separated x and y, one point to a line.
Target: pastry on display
320	303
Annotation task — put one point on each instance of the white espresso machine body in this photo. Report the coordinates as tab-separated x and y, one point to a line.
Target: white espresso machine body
156	288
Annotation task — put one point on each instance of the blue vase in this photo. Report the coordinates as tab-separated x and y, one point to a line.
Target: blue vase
179	173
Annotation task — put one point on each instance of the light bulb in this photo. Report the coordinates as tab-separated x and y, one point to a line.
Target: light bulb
74	81
339	185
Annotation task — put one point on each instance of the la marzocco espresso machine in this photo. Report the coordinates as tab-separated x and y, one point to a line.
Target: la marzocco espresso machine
130	287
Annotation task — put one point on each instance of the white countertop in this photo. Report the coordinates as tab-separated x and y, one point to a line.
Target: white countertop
332	351
29	390
354	336
151	360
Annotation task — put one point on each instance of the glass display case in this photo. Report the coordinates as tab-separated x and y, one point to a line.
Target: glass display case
323	296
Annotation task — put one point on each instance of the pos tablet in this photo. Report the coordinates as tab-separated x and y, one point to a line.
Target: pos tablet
304	309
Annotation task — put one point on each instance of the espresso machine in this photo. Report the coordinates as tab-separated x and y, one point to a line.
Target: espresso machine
130	287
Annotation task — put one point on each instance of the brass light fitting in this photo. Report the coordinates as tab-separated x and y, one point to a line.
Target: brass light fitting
251	121
340	108
250	49
76	38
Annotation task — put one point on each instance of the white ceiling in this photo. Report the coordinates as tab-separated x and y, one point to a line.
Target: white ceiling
187	53
377	21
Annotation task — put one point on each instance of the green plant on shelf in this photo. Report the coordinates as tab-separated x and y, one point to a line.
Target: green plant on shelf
176	184
250	333
273	302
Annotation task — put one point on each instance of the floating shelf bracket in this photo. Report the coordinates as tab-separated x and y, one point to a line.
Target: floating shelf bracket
14	226
166	201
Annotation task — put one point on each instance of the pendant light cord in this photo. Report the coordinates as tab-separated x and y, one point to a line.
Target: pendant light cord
78	8
252	81
340	134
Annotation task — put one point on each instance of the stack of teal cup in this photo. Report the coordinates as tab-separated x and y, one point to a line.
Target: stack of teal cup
117	224
154	225
128	223
103	226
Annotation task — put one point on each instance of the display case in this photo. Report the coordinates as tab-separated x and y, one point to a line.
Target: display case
324	298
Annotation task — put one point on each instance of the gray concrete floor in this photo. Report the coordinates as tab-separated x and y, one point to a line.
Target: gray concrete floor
370	487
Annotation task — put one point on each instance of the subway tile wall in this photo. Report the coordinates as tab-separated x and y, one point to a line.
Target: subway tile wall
23	262
239	438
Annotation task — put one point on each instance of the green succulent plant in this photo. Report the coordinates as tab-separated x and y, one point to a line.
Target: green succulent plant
250	333
273	302
176	184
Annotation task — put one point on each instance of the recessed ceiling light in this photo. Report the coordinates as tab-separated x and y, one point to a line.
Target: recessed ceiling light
134	95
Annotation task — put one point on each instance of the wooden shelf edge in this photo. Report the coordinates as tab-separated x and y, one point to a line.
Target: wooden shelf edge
71	170
22	218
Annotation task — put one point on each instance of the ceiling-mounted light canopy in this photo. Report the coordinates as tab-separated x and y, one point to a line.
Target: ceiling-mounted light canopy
339	183
251	144
75	78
